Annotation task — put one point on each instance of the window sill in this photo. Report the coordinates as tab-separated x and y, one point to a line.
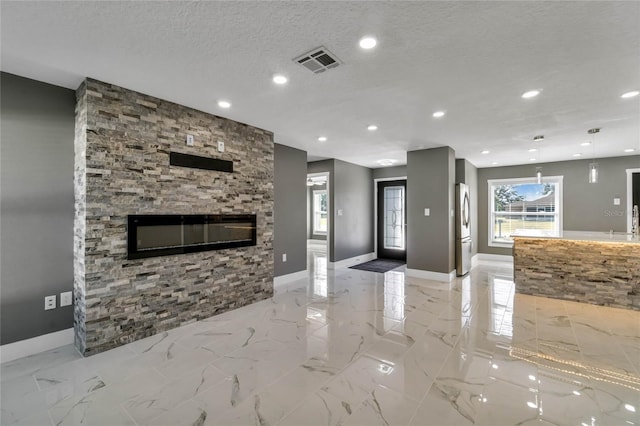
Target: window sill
500	245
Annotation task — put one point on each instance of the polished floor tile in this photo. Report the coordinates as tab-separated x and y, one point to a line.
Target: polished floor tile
350	347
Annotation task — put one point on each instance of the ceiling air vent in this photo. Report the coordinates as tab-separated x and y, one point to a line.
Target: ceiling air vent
318	60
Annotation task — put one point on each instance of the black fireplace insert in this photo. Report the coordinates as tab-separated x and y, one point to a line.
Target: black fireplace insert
163	235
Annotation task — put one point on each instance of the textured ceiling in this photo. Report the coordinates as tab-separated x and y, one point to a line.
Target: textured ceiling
470	59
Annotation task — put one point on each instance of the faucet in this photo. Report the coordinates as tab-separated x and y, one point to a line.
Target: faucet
635	221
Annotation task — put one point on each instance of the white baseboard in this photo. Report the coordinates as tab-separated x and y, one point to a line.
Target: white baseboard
486	257
351	261
474	260
285	279
35	345
430	275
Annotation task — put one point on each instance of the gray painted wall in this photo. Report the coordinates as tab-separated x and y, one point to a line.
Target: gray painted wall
587	207
431	184
390	172
310	207
354	196
468	173
37	122
290	174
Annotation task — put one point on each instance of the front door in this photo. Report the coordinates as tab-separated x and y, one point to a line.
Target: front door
392	220
635	190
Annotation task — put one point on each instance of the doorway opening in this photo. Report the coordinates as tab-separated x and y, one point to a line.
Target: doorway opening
633	194
391	218
318	222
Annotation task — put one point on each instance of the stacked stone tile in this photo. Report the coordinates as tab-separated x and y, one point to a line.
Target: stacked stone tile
123	140
601	273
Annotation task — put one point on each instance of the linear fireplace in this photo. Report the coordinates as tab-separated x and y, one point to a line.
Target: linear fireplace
162	235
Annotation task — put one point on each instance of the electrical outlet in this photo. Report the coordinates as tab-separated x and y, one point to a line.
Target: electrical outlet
190	140
65	298
427	212
284	257
49	302
220	146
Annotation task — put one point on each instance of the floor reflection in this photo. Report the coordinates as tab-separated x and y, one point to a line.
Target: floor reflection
317	263
394	295
501	291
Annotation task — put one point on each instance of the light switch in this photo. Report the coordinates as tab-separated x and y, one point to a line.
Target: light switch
220	146
616	201
190	140
339	212
427	212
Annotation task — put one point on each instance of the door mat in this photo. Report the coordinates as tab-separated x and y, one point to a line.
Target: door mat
379	265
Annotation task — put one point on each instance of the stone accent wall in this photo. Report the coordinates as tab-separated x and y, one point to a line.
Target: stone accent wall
79	223
123	140
601	273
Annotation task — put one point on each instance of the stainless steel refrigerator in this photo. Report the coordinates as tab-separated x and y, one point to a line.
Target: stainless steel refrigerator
464	243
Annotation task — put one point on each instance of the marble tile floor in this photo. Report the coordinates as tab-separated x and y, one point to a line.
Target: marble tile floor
350	347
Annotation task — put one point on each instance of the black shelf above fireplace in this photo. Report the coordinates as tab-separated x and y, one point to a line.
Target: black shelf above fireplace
164	235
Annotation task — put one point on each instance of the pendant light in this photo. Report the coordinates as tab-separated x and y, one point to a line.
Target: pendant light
593	172
539	138
593	166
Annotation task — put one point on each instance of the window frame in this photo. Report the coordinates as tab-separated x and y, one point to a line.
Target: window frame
315	204
558	214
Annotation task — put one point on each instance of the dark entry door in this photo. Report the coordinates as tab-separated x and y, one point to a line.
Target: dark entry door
392	220
635	189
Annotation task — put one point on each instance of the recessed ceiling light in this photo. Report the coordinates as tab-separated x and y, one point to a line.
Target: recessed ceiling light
530	94
372	127
532	150
224	104
585	144
368	42
577	154
280	79
631	94
386	162
438	114
486	151
322	138
538	138
494	163
629	150
532	159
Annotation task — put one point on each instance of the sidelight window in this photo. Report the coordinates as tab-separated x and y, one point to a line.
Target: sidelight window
394	217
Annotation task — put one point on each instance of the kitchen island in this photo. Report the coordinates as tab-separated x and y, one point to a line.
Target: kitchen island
592	267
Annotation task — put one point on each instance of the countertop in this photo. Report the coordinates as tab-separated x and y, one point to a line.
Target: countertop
607	237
